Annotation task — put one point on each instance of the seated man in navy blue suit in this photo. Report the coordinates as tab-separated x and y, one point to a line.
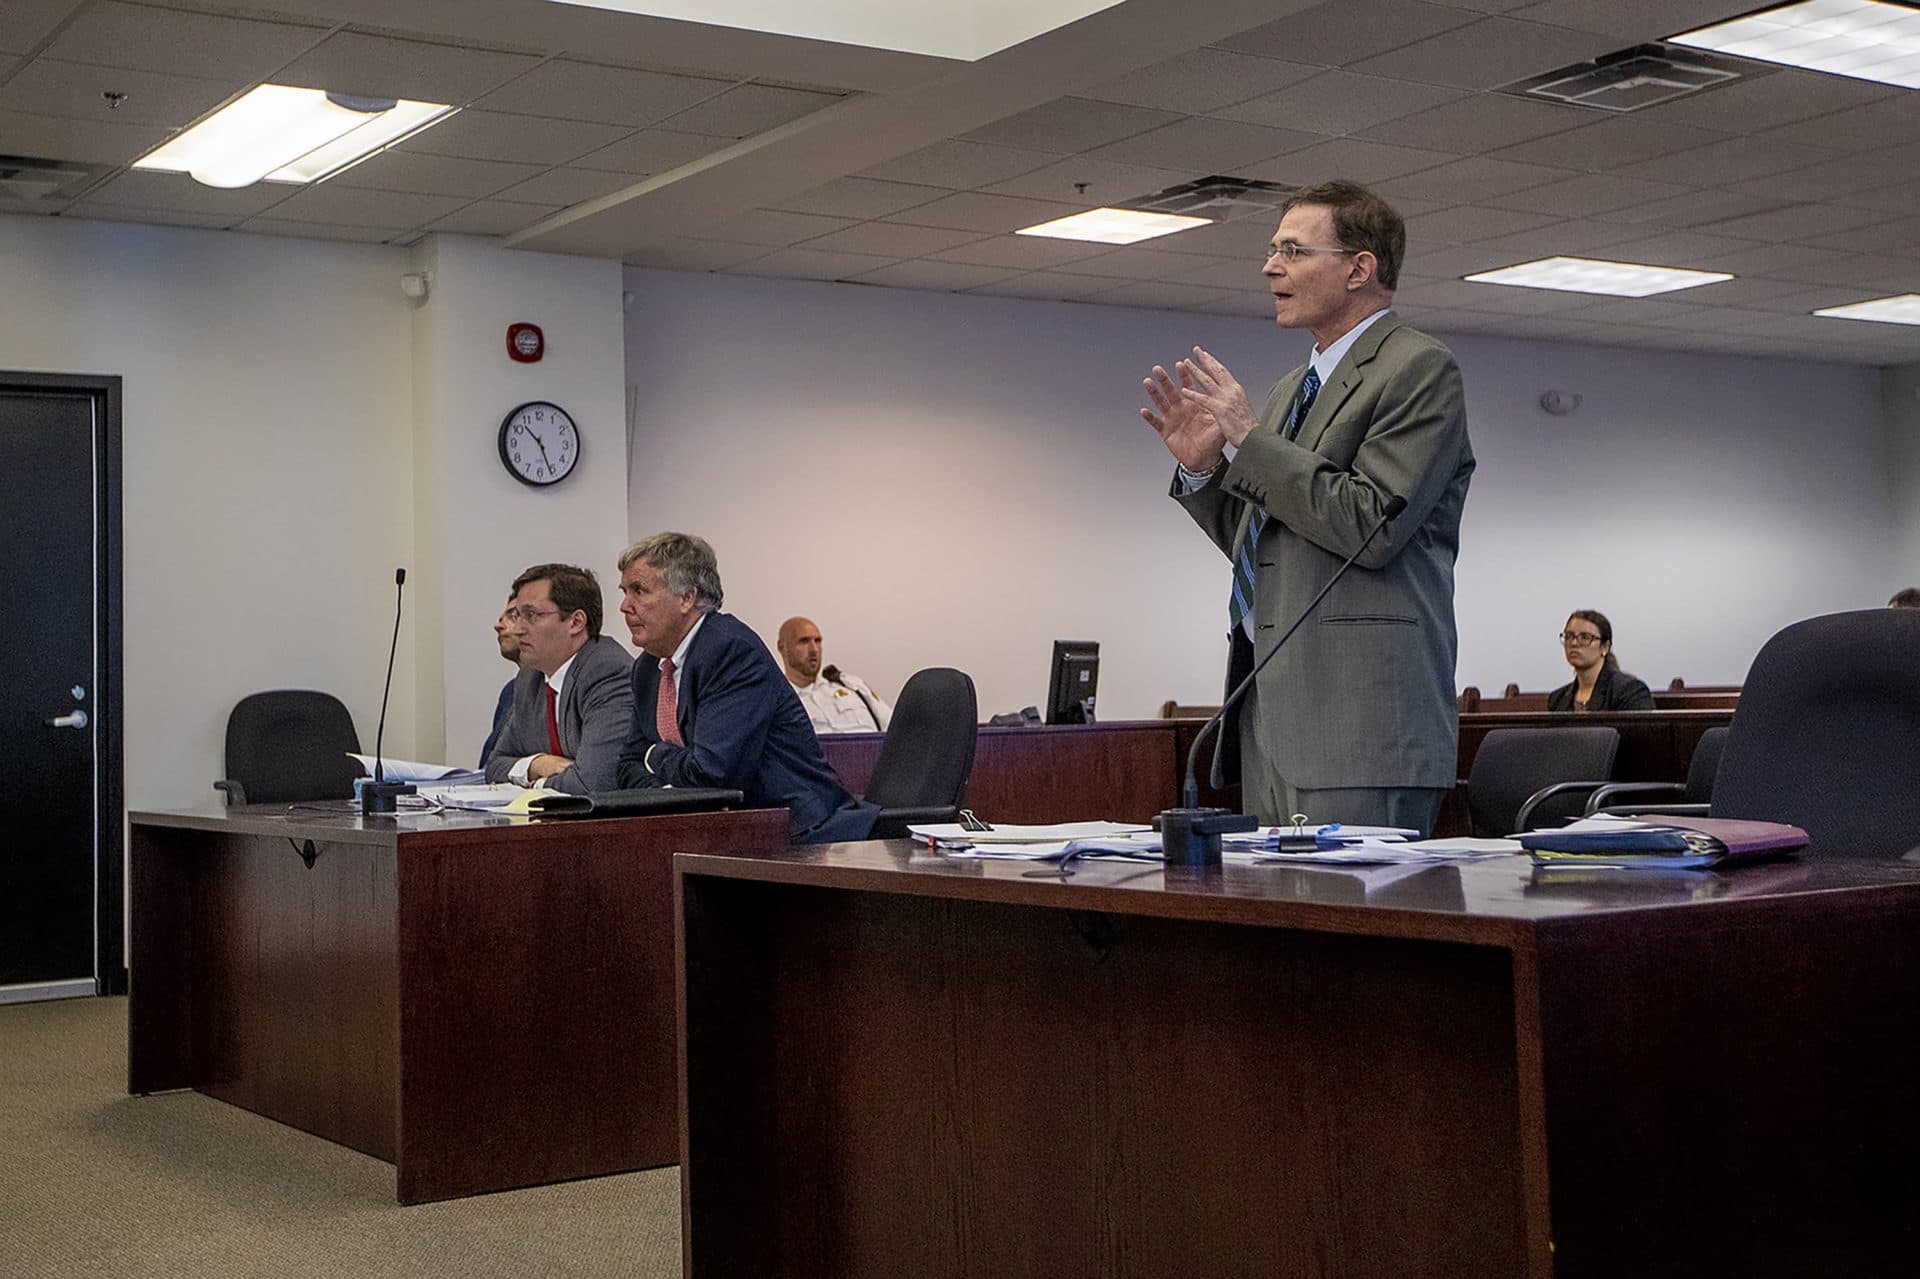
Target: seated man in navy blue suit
711	706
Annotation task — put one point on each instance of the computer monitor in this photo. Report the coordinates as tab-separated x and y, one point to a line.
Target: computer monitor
1076	676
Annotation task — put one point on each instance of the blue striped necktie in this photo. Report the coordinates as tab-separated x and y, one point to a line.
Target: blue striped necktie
1242	599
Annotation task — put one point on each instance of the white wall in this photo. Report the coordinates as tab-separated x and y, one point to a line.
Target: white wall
959	480
1900	404
266	461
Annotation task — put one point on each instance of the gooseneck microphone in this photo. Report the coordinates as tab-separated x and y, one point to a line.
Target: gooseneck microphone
379	794
1190	835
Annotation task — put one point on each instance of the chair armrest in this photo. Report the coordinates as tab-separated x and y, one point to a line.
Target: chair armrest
1650	810
892	823
1546	793
236	793
1651	790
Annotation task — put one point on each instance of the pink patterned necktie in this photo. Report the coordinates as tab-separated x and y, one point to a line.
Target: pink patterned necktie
666	714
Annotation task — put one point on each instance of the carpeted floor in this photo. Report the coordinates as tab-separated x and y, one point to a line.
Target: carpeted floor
94	1182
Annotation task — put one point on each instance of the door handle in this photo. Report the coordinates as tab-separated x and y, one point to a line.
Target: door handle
72	719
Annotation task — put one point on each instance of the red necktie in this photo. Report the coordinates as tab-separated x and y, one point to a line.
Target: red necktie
666	712
553	723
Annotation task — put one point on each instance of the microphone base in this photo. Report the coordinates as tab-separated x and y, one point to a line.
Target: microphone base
377	798
1190	837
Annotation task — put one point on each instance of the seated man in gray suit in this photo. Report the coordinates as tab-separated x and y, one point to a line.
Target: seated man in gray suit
573	699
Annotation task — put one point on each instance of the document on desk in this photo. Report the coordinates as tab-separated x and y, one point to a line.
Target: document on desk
495	796
952	835
412	770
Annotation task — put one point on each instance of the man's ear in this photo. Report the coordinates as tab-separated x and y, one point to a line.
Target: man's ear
1365	270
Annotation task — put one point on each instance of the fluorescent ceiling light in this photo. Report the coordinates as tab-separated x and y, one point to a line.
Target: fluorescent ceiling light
967	30
1865	39
1590	275
285	134
1903	309
1113	226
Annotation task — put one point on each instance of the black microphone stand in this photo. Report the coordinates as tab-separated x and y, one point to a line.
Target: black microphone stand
377	794
1190	835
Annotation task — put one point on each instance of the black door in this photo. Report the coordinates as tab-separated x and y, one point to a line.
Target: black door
57	556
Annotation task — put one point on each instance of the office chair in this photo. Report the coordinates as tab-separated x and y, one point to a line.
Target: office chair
1827	734
289	745
1689	798
921	775
1521	777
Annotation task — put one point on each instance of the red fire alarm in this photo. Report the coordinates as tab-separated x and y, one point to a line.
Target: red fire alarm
525	342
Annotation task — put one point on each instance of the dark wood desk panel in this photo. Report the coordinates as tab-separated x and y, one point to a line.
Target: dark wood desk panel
902	1064
1125	770
1655	746
485	1001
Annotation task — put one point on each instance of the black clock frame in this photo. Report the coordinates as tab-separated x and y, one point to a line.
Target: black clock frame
506	460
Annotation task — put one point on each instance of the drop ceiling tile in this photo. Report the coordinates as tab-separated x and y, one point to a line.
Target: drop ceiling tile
493	217
1607	144
1456	262
323	230
1341	31
958	165
938	277
1740	295
1797	222
860	198
1019	252
1840	179
1499	299
1688	249
174	42
1106	182
1482	122
695	255
75	90
395	170
1767	259
1633	20
604	95
345	206
1874	276
765	226
1588	194
980	212
1474	178
179	193
1200	81
151	217
1888	122
1464	224
809	264
1486	54
892	240
1231	273
1339	102
747	109
31	21
1443	294
1643	310
1246	238
566	186
1772	99
1136	262
383	67
1045	284
1069	126
1207	145
1693	209
523	139
651	151
1578	237
1160	296
83	141
1894	199
1737	159
1350	158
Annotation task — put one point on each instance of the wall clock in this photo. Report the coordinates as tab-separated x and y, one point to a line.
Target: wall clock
539	444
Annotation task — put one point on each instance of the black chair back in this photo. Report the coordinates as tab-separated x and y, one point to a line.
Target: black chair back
928	751
1827	734
1705	765
1513	764
289	745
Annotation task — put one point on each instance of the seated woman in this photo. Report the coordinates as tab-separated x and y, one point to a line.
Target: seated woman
1598	682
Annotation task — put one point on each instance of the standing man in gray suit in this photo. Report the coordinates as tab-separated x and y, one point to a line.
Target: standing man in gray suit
573	698
1354	721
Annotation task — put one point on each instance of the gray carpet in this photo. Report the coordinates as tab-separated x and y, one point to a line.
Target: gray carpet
94	1182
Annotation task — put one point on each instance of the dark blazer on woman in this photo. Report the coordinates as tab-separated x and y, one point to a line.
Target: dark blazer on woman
1612	691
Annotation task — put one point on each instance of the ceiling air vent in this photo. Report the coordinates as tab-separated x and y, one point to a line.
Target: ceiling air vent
27	180
1632	79
1218	198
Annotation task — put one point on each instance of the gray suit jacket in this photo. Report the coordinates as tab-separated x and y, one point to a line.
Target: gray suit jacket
595	713
1363	693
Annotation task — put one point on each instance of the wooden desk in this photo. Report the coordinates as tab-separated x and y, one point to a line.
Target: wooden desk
483	1001
897	1065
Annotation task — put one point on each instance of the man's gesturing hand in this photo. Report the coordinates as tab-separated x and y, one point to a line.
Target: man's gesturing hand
1186	426
1205	383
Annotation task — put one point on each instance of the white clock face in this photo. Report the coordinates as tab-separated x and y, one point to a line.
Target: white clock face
539	444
